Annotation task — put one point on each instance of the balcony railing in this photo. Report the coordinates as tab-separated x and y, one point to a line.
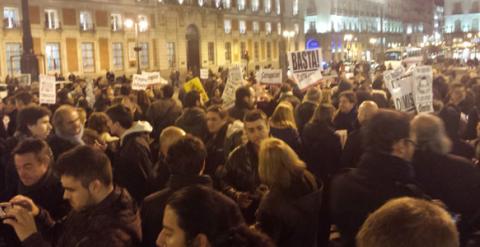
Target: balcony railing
9	23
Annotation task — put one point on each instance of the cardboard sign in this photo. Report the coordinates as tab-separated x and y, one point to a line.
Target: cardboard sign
423	88
306	67
140	82
47	90
196	84
154	78
203	74
270	76
235	80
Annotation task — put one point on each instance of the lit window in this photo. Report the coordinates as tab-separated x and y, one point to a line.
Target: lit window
227	4
268	27
51	19
88	59
218	3
295	7
52	55
242	27
241	4
227	26
116	22
10	17
201	3
256	27
13	51
144	61
171	54
117	51
296	28
86	22
143	23
180	1
279	28
268	6
255	5
278	8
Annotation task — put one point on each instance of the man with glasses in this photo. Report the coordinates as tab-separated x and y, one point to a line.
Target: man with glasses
383	173
68	130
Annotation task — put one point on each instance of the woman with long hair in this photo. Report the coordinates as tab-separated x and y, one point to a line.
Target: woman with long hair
284	127
288	213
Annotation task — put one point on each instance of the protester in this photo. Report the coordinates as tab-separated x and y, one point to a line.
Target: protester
102	215
346	116
383	173
289	212
185	170
244	102
239	177
202	217
68	130
217	123
408	222
132	163
193	119
304	111
283	126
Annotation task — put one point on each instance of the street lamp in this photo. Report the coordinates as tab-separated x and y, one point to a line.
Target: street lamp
141	25
348	39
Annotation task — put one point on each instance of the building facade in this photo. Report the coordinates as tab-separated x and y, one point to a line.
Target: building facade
462	21
360	29
90	37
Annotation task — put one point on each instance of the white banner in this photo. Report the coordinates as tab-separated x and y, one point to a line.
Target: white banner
392	77
306	67
270	76
47	90
402	93
139	82
89	94
423	89
235	80
203	74
154	78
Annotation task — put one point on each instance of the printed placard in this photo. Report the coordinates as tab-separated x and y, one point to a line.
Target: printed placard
47	89
306	67
196	84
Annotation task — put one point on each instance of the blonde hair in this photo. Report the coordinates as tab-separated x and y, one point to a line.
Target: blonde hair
283	117
277	163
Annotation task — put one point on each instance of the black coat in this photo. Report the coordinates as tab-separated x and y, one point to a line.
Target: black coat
113	222
346	121
321	149
289	216
132	166
161	114
289	136
303	114
194	121
59	145
452	179
353	149
354	195
215	145
154	204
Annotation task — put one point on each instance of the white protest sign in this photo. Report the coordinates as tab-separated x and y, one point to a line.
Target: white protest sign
47	90
306	67
235	80
140	82
270	76
24	80
403	95
90	95
203	74
154	78
423	90
392	76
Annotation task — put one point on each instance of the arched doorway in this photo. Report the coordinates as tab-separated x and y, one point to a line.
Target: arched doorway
193	50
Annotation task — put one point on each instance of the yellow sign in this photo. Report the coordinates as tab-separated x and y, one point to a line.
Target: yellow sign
196	84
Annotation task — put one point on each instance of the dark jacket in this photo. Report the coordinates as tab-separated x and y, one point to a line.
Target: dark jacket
353	149
59	145
215	145
113	222
453	180
355	194
163	113
238	112
289	216
303	114
346	121
153	205
132	166
194	121
240	174
321	149
289	136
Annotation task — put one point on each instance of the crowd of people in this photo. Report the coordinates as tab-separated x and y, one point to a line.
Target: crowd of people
332	165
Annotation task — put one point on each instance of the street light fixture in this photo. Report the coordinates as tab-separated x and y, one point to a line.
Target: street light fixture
348	39
139	26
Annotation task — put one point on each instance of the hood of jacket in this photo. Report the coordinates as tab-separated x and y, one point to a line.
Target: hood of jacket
137	127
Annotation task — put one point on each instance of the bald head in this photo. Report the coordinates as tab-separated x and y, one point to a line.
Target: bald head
366	110
169	136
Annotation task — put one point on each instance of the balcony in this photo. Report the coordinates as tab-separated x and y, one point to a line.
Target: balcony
53	26
87	27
